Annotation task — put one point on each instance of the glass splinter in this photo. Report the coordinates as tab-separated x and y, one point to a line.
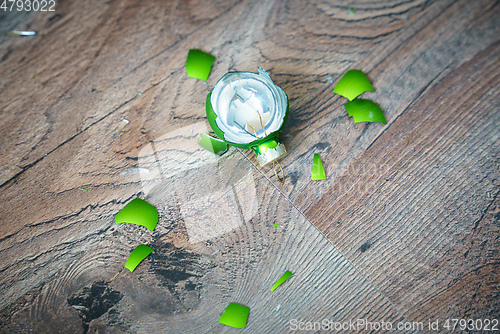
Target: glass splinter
353	84
19	33
138	212
365	111
135	171
198	64
138	254
235	315
318	173
212	144
121	126
283	278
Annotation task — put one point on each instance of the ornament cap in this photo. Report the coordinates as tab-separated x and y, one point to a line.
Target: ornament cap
269	151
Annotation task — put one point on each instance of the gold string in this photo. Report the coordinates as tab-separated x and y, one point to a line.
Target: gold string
282	180
254	131
261	123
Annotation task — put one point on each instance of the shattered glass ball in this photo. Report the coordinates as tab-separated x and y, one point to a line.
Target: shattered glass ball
247	110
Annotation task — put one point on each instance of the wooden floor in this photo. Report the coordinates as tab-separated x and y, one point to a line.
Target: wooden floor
405	229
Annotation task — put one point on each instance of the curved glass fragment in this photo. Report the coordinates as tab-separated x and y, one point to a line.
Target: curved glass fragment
199	64
318	173
212	144
235	315
138	212
138	254
282	279
353	84
365	111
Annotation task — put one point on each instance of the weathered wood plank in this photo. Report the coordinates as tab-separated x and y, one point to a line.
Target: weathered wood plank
88	62
215	244
427	195
413	207
446	43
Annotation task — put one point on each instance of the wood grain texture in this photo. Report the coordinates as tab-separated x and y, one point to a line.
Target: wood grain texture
436	80
405	228
419	209
187	282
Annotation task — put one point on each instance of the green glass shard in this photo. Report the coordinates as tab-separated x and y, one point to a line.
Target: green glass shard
138	212
365	111
283	278
212	144
352	10
138	254
198	64
353	84
235	315
318	173
277	225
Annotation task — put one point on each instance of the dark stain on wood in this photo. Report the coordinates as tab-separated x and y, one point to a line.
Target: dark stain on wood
94	301
364	247
173	265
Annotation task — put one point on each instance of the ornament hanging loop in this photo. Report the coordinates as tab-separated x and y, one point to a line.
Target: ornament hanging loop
276	171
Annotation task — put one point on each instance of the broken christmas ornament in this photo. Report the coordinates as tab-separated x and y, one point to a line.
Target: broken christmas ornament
247	110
